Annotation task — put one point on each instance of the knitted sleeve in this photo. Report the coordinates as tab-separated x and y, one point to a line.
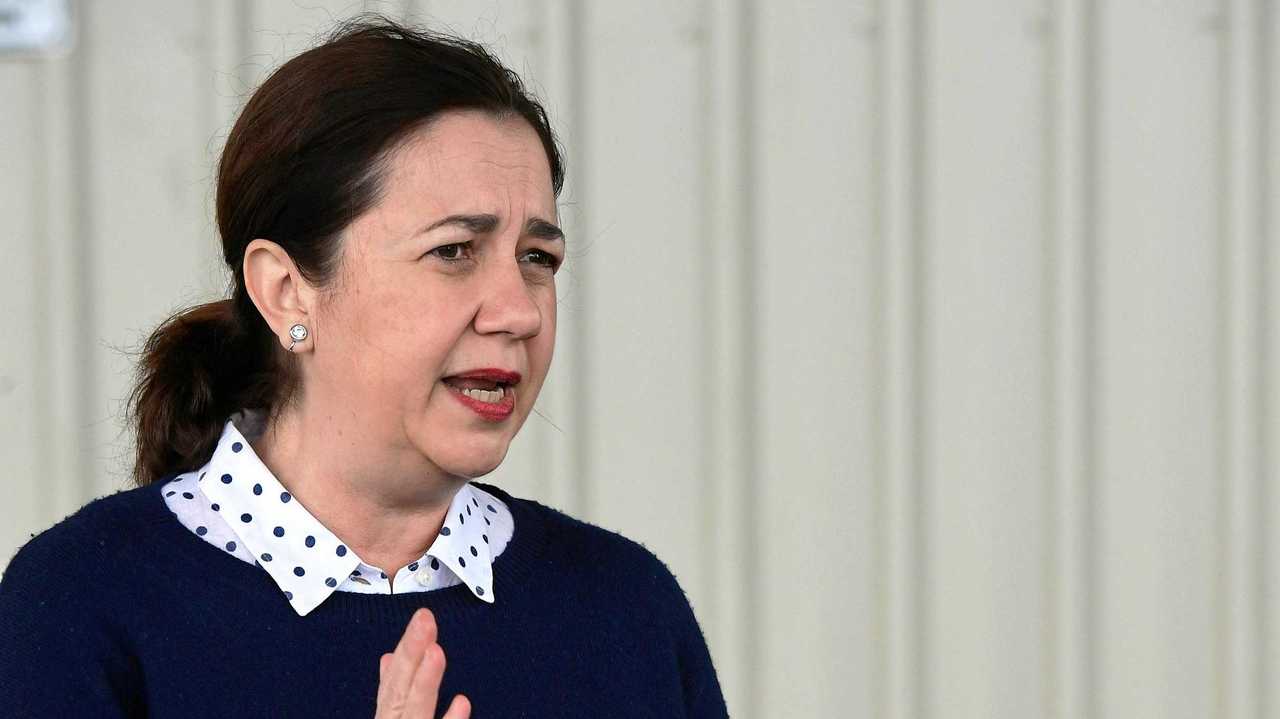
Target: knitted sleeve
703	697
59	656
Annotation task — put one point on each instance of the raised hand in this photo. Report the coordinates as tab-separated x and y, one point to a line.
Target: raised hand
409	677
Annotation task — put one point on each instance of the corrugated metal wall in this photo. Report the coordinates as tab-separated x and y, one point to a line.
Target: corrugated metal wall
932	344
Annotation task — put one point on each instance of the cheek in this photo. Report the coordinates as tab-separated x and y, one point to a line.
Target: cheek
396	335
544	344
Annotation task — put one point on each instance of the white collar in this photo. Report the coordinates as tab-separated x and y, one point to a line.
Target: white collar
242	488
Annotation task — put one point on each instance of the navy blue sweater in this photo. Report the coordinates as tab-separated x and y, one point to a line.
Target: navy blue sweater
119	610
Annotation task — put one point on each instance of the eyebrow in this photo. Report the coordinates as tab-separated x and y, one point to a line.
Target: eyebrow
484	224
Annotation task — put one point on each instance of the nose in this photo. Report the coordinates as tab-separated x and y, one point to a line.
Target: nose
508	305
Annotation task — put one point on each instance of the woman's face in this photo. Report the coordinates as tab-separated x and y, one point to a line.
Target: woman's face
413	305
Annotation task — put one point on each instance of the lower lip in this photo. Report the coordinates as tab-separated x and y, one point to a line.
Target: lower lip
492	411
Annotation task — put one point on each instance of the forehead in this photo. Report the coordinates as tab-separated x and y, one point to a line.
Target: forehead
471	160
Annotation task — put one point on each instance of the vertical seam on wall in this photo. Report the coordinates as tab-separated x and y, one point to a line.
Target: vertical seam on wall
244	33
84	286
750	366
581	327
1091	111
707	530
879	343
43	345
1222	373
920	116
1053	244
1265	56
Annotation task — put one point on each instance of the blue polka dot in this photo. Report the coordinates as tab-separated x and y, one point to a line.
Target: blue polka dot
486	538
311	541
246	517
288	595
279	531
266	557
486	521
384	574
468	511
341	550
445	531
475	501
170	493
202	530
331	582
462	561
226	479
284	497
461	519
231	546
473	551
491	509
188	495
257	489
479	590
202	474
299	571
355	573
236	447
413	567
214	506
434	564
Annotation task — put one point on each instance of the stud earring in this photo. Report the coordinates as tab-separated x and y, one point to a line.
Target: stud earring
298	333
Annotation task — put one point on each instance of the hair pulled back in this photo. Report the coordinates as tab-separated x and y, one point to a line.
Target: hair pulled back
307	155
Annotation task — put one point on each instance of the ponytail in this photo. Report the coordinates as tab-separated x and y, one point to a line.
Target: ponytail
197	368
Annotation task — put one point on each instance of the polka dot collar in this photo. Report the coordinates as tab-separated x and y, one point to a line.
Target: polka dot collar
306	560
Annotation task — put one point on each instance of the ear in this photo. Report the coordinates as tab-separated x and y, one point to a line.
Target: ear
278	291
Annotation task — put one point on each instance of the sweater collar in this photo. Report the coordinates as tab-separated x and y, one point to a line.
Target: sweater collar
304	558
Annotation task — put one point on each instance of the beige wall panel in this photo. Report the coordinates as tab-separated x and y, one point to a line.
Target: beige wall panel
1239	672
814	265
1269	567
638	279
146	179
1070	639
729	465
23	253
1159	310
986	309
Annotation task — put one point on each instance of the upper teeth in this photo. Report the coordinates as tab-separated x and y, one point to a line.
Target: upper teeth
484	395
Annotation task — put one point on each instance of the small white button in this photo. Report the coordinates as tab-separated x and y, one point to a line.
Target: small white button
423	577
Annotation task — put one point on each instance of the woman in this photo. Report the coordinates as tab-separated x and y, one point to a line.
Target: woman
305	539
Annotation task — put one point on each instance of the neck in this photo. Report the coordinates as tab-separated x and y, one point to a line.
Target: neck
385	501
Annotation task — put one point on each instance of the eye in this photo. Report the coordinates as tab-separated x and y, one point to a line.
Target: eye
546	259
447	252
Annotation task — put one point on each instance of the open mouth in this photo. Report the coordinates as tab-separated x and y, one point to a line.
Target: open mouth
480	390
492	400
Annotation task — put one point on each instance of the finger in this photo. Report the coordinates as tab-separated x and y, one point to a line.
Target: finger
425	688
384	684
383	662
419	634
459	709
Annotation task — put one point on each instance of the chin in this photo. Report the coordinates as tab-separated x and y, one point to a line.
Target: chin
470	462
462	451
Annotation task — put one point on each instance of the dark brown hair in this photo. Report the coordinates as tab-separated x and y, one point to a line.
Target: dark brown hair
307	156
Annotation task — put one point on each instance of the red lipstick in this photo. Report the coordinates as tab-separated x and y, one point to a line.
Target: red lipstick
491	411
501	376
